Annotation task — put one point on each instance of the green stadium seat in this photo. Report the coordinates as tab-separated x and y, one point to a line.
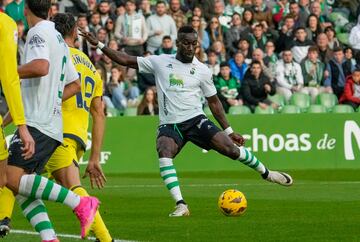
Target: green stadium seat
328	100
269	110
207	110
317	108
236	110
290	109
278	99
112	112
342	108
302	100
130	112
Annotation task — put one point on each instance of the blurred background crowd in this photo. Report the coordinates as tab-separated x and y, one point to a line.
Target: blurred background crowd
255	48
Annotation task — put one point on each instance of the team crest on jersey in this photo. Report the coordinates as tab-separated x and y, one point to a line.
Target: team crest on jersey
192	71
175	81
36	41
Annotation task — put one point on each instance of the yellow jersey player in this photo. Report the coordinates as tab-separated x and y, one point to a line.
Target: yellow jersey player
11	87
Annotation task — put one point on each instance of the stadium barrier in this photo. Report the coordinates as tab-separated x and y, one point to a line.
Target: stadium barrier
287	141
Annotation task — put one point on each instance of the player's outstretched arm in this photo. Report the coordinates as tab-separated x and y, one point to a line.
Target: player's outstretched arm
219	114
117	56
93	170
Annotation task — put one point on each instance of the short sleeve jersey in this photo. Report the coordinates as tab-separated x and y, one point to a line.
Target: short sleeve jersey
76	109
42	96
180	86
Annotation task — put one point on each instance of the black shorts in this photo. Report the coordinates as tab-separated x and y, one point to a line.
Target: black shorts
198	130
44	147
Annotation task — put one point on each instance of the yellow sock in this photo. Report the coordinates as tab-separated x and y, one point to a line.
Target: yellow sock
7	201
98	227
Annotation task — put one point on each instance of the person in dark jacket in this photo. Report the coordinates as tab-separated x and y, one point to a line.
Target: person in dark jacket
337	70
256	87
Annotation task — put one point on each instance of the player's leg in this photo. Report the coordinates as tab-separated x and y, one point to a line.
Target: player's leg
224	145
168	144
64	168
7	201
38	187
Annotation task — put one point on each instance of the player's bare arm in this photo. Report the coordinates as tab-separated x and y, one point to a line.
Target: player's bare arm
71	89
35	68
93	170
219	114
119	57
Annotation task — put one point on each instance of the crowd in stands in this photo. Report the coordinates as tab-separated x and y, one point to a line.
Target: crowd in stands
254	48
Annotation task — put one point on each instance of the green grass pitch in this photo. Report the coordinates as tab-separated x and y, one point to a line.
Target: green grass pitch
322	205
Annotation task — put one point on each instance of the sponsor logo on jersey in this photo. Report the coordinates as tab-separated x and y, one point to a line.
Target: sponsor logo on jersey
175	81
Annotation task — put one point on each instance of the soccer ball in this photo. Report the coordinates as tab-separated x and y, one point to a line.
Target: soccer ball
232	203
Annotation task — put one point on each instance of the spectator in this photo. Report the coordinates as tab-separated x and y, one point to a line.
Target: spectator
288	75
325	53
219	48
15	10
203	36
300	17
198	13
21	42
281	8
113	45
354	37
248	18
348	52
262	13
74	7
238	66
315	9
92	6
131	30
95	22
304	6
338	69
313	28
105	12
300	45
258	55
234	33
110	29
286	34
148	104
271	57
333	41
244	47
207	8
82	24
212	63
176	13
351	95
227	87
159	25
105	65
313	72
215	30
256	87
258	38
167	46
200	54
145	8
54	9
145	80
219	11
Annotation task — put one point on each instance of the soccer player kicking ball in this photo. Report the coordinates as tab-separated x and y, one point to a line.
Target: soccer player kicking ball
180	81
63	164
11	86
49	77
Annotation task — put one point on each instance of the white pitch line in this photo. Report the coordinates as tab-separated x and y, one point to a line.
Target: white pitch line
71	236
234	184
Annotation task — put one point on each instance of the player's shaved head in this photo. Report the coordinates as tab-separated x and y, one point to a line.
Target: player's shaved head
186	43
40	8
64	23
